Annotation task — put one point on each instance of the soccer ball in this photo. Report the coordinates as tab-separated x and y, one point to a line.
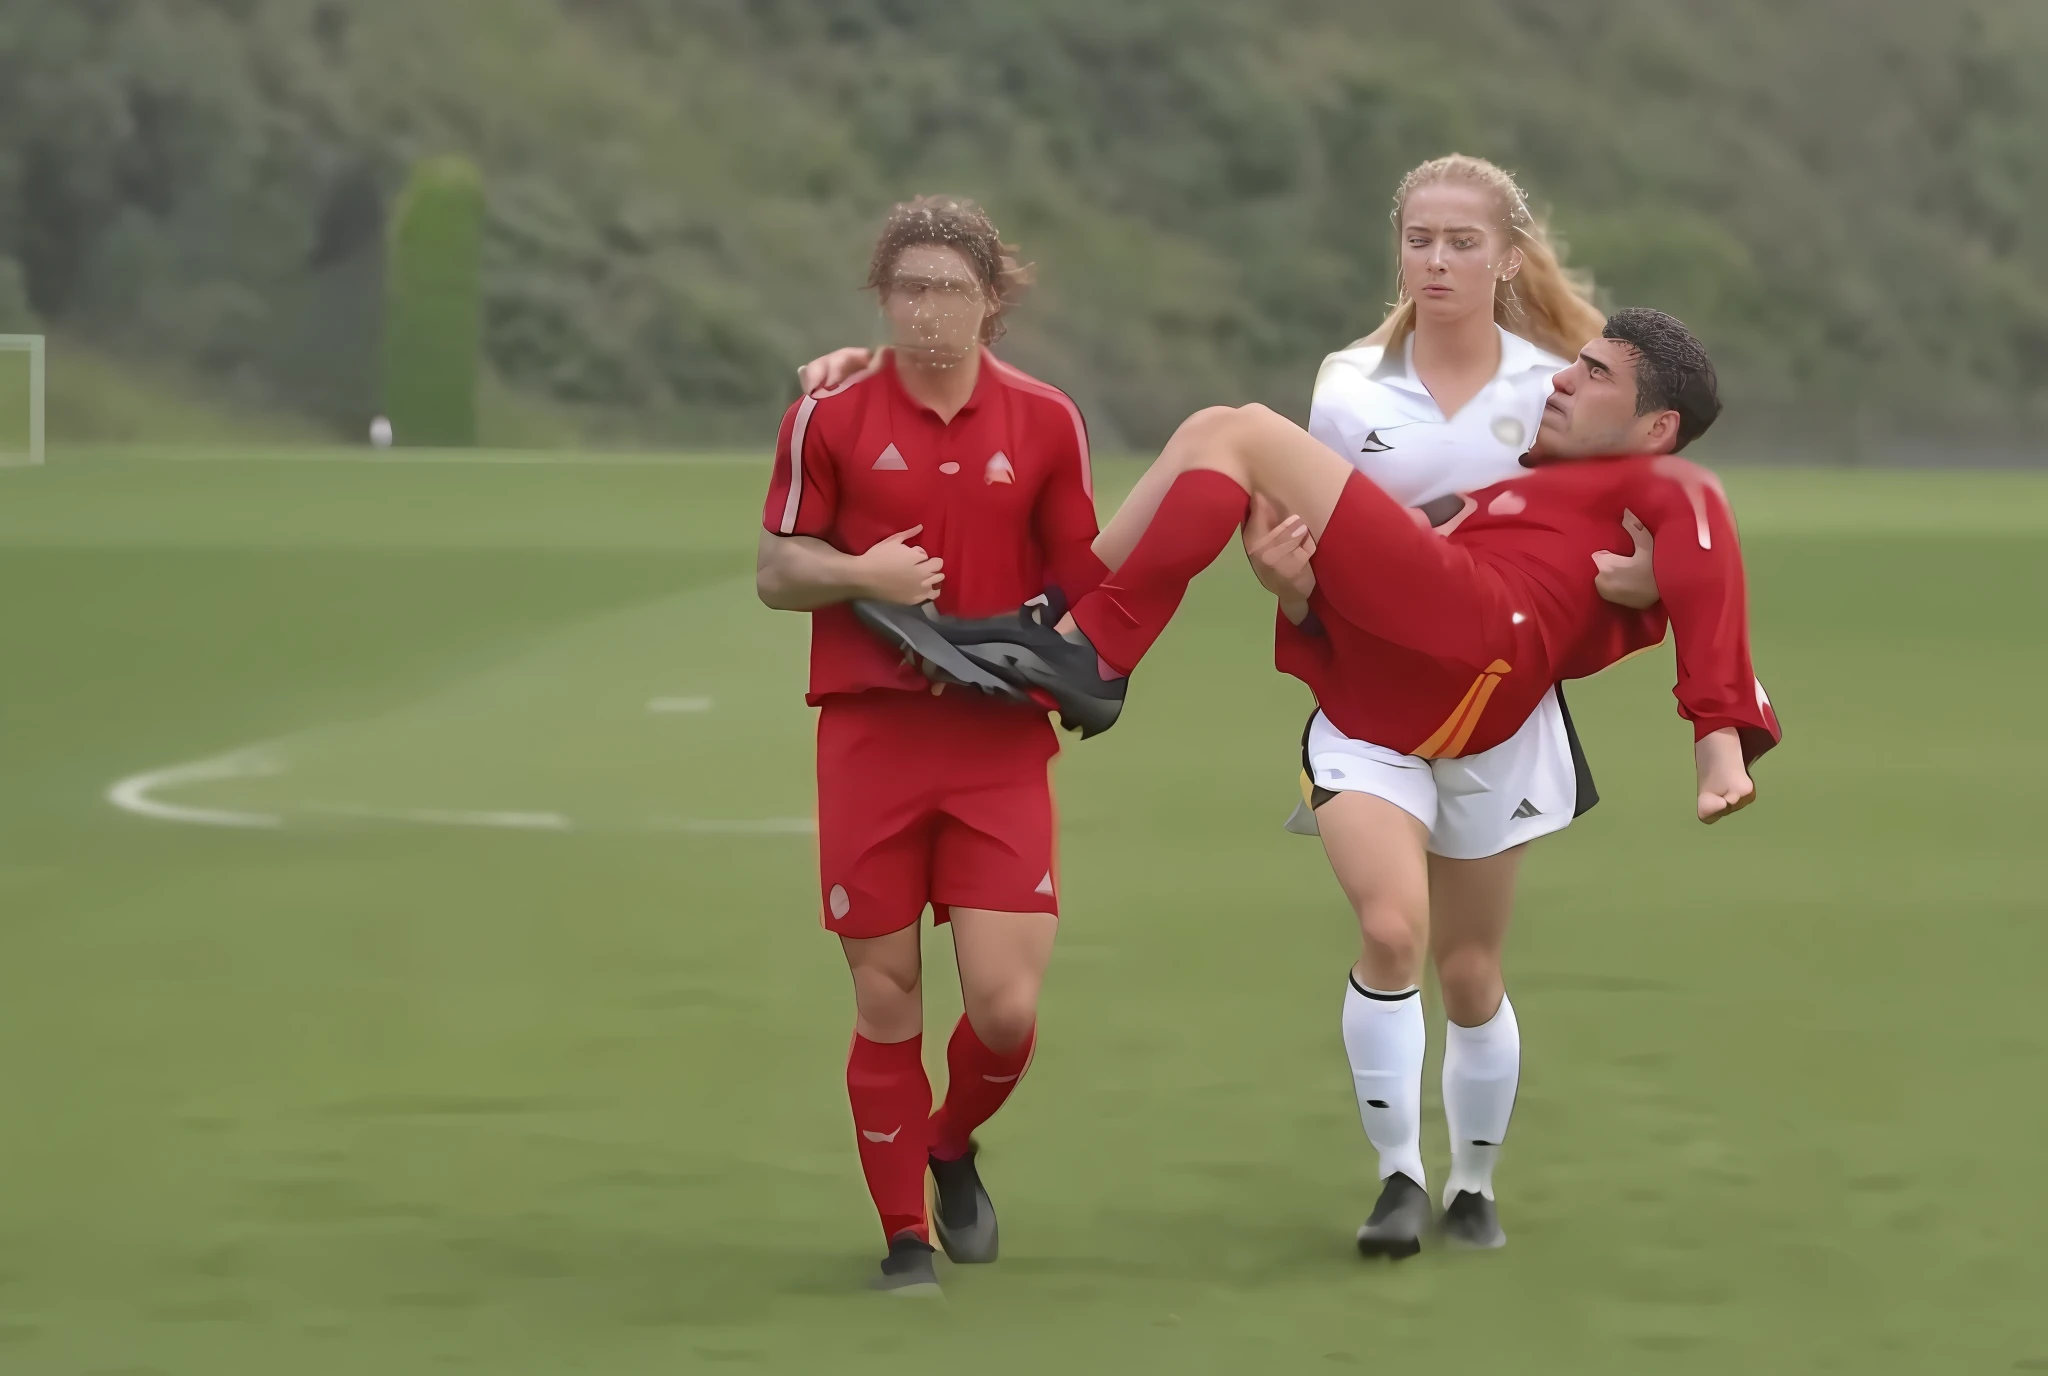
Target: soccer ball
380	433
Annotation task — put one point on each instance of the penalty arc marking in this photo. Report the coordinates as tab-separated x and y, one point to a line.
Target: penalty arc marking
136	795
133	794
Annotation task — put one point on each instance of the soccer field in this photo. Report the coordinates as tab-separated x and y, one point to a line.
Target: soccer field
409	962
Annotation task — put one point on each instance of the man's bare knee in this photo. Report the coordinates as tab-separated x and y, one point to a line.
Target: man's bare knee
888	1004
1004	1022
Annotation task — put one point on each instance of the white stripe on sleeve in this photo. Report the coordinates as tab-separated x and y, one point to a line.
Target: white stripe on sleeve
796	465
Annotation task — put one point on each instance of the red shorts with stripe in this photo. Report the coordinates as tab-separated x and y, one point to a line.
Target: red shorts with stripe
1424	648
932	799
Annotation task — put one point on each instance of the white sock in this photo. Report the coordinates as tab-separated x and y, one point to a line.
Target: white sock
1482	1068
1384	1037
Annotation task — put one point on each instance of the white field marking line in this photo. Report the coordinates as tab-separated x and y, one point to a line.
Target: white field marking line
132	794
765	826
438	817
679	704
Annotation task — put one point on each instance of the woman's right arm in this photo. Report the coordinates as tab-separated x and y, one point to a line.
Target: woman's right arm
829	370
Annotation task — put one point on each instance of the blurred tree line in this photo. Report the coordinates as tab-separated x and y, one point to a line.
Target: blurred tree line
1847	198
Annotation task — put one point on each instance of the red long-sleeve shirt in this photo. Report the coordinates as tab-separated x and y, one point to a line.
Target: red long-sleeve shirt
1521	553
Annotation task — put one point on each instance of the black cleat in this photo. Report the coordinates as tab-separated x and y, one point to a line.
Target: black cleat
964	1217
915	631
1472	1223
907	1270
1398	1221
1026	652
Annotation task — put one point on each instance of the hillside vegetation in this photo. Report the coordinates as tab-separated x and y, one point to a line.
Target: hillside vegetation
1846	197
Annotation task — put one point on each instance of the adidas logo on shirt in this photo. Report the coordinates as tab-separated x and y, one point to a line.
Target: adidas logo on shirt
1374	444
999	470
1527	810
891	461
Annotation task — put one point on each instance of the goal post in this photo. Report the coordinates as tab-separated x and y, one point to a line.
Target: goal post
21	399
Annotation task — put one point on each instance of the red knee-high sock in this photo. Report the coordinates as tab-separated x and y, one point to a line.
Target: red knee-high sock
1125	614
892	1104
978	1080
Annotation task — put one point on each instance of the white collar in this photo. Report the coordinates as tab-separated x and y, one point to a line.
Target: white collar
1517	355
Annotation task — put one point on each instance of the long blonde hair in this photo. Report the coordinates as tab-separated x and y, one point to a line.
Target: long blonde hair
1545	303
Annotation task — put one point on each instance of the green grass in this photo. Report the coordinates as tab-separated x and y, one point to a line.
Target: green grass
362	1094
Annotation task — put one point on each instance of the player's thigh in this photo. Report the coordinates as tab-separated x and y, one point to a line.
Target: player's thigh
1002	958
1385	574
888	993
873	882
1377	849
1471	904
995	873
1135	512
994	844
875	830
1273	456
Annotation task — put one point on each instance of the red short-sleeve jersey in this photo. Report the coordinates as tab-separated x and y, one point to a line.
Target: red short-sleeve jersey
1003	491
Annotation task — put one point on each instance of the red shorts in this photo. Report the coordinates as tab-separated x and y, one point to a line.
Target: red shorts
932	799
1427	650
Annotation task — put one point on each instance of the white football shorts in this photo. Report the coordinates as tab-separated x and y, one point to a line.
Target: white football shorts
1529	785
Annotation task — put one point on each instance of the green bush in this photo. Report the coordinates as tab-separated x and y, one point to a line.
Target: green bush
15	315
432	306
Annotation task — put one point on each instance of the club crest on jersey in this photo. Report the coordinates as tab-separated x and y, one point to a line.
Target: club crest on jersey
999	470
1509	431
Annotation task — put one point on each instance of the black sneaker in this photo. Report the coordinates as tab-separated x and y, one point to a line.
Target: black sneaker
1471	1221
914	631
964	1218
907	1270
1026	652
1398	1221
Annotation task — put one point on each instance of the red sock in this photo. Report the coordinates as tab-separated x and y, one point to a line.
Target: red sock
892	1104
978	1080
1199	516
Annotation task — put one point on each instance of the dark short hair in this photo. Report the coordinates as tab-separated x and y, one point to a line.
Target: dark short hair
1673	372
957	223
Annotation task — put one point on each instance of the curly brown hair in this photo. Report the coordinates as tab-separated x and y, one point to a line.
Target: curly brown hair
957	223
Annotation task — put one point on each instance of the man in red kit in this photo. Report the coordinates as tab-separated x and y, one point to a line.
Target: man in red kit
1434	633
940	475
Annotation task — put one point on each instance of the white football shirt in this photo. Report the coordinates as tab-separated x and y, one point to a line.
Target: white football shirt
1372	409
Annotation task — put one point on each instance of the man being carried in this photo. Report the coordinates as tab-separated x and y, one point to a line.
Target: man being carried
1434	643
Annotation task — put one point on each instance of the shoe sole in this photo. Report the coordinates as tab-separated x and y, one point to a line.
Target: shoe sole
907	629
1455	1240
916	1290
1090	716
1391	1248
1457	1243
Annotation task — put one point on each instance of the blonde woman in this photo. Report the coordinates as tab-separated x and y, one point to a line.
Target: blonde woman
1444	397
